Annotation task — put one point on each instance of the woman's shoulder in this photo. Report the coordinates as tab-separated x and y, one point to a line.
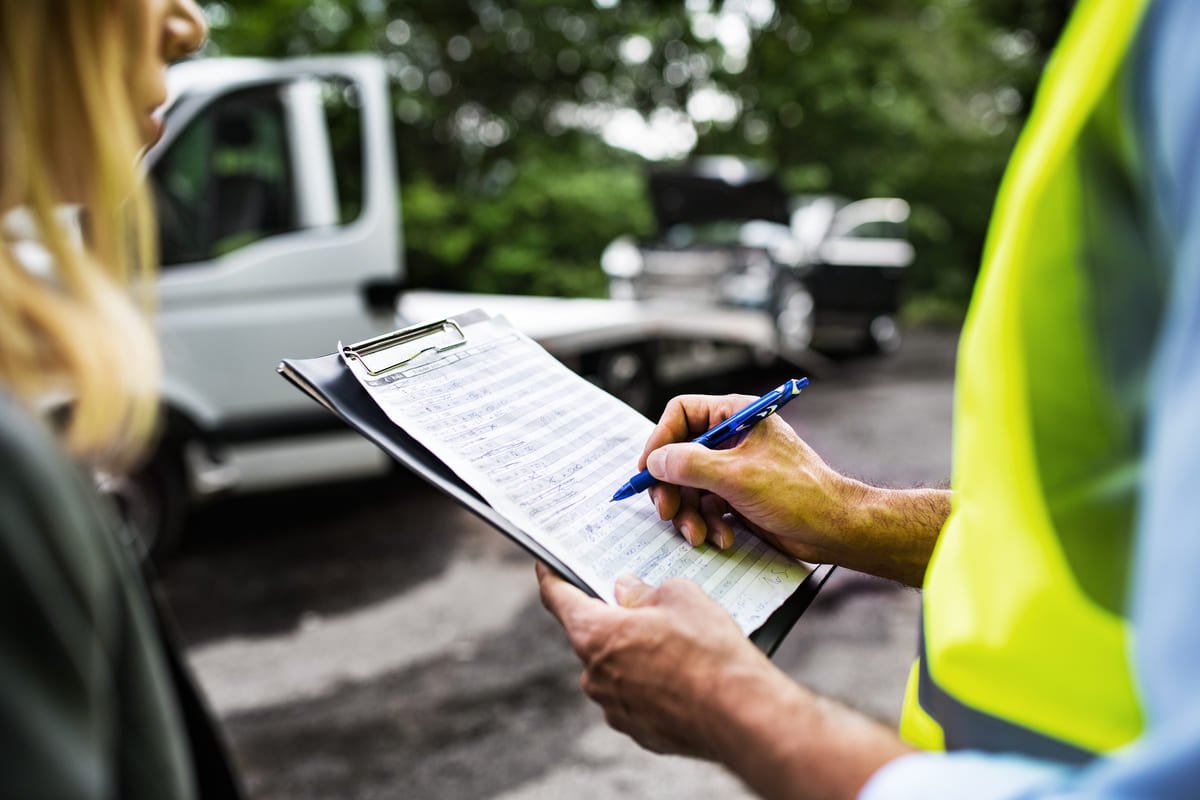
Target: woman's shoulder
31	461
51	521
90	683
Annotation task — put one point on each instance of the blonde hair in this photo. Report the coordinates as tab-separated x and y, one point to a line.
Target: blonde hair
67	125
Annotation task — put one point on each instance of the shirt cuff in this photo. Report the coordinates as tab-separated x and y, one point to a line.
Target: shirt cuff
930	776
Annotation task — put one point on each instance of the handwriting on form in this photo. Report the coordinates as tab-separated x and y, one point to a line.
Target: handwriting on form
546	448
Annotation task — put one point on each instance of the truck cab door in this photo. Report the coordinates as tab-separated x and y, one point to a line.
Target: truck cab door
277	212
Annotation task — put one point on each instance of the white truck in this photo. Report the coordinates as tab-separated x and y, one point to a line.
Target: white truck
280	233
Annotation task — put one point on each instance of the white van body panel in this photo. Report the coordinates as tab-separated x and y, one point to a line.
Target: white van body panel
226	321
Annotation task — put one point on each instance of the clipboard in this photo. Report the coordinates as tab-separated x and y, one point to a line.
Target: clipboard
328	381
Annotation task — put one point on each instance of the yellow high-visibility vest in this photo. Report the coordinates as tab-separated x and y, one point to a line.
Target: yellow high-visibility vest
1025	645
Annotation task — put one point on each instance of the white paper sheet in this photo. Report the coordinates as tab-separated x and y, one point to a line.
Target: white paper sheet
547	450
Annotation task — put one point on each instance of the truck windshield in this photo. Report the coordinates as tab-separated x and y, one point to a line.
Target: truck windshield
226	181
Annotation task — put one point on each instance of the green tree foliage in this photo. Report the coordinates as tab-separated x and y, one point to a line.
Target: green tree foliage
508	187
893	97
897	98
537	228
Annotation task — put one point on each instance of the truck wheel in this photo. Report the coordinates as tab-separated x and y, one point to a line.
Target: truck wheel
630	375
153	504
882	335
794	313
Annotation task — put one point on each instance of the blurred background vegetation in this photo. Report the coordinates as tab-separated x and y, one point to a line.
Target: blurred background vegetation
524	129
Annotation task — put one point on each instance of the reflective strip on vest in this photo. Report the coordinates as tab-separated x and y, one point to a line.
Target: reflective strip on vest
1024	642
967	728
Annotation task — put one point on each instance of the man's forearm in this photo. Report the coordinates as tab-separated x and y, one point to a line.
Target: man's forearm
786	742
891	532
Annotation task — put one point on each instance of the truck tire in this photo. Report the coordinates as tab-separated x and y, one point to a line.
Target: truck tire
882	336
631	375
794	313
153	504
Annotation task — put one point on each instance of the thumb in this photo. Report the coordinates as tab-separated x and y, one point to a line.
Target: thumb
686	464
631	591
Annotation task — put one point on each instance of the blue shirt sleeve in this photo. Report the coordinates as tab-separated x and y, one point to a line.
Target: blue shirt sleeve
1165	761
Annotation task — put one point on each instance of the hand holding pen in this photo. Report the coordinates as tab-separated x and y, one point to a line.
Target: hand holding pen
722	432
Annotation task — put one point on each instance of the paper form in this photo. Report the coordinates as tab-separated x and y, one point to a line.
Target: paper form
547	450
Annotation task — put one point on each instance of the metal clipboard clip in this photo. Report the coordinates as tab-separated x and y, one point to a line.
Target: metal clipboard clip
450	333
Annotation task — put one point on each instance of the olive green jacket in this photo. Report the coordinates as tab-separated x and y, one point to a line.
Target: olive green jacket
94	702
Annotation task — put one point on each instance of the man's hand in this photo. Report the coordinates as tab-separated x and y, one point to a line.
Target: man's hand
653	663
773	479
786	494
672	670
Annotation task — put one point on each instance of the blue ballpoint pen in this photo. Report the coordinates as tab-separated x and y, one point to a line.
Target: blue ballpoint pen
740	422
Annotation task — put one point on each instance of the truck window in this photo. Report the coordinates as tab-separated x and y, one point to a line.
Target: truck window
226	181
343	116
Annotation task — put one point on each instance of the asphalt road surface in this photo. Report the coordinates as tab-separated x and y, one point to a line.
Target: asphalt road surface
373	640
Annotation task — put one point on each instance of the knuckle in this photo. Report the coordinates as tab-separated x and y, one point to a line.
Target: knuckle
617	720
686	464
677	588
581	633
672	410
589	639
588	683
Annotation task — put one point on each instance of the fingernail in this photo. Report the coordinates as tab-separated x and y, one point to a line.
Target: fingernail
656	462
726	540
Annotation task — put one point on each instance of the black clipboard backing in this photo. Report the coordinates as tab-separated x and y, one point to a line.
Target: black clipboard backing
330	382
